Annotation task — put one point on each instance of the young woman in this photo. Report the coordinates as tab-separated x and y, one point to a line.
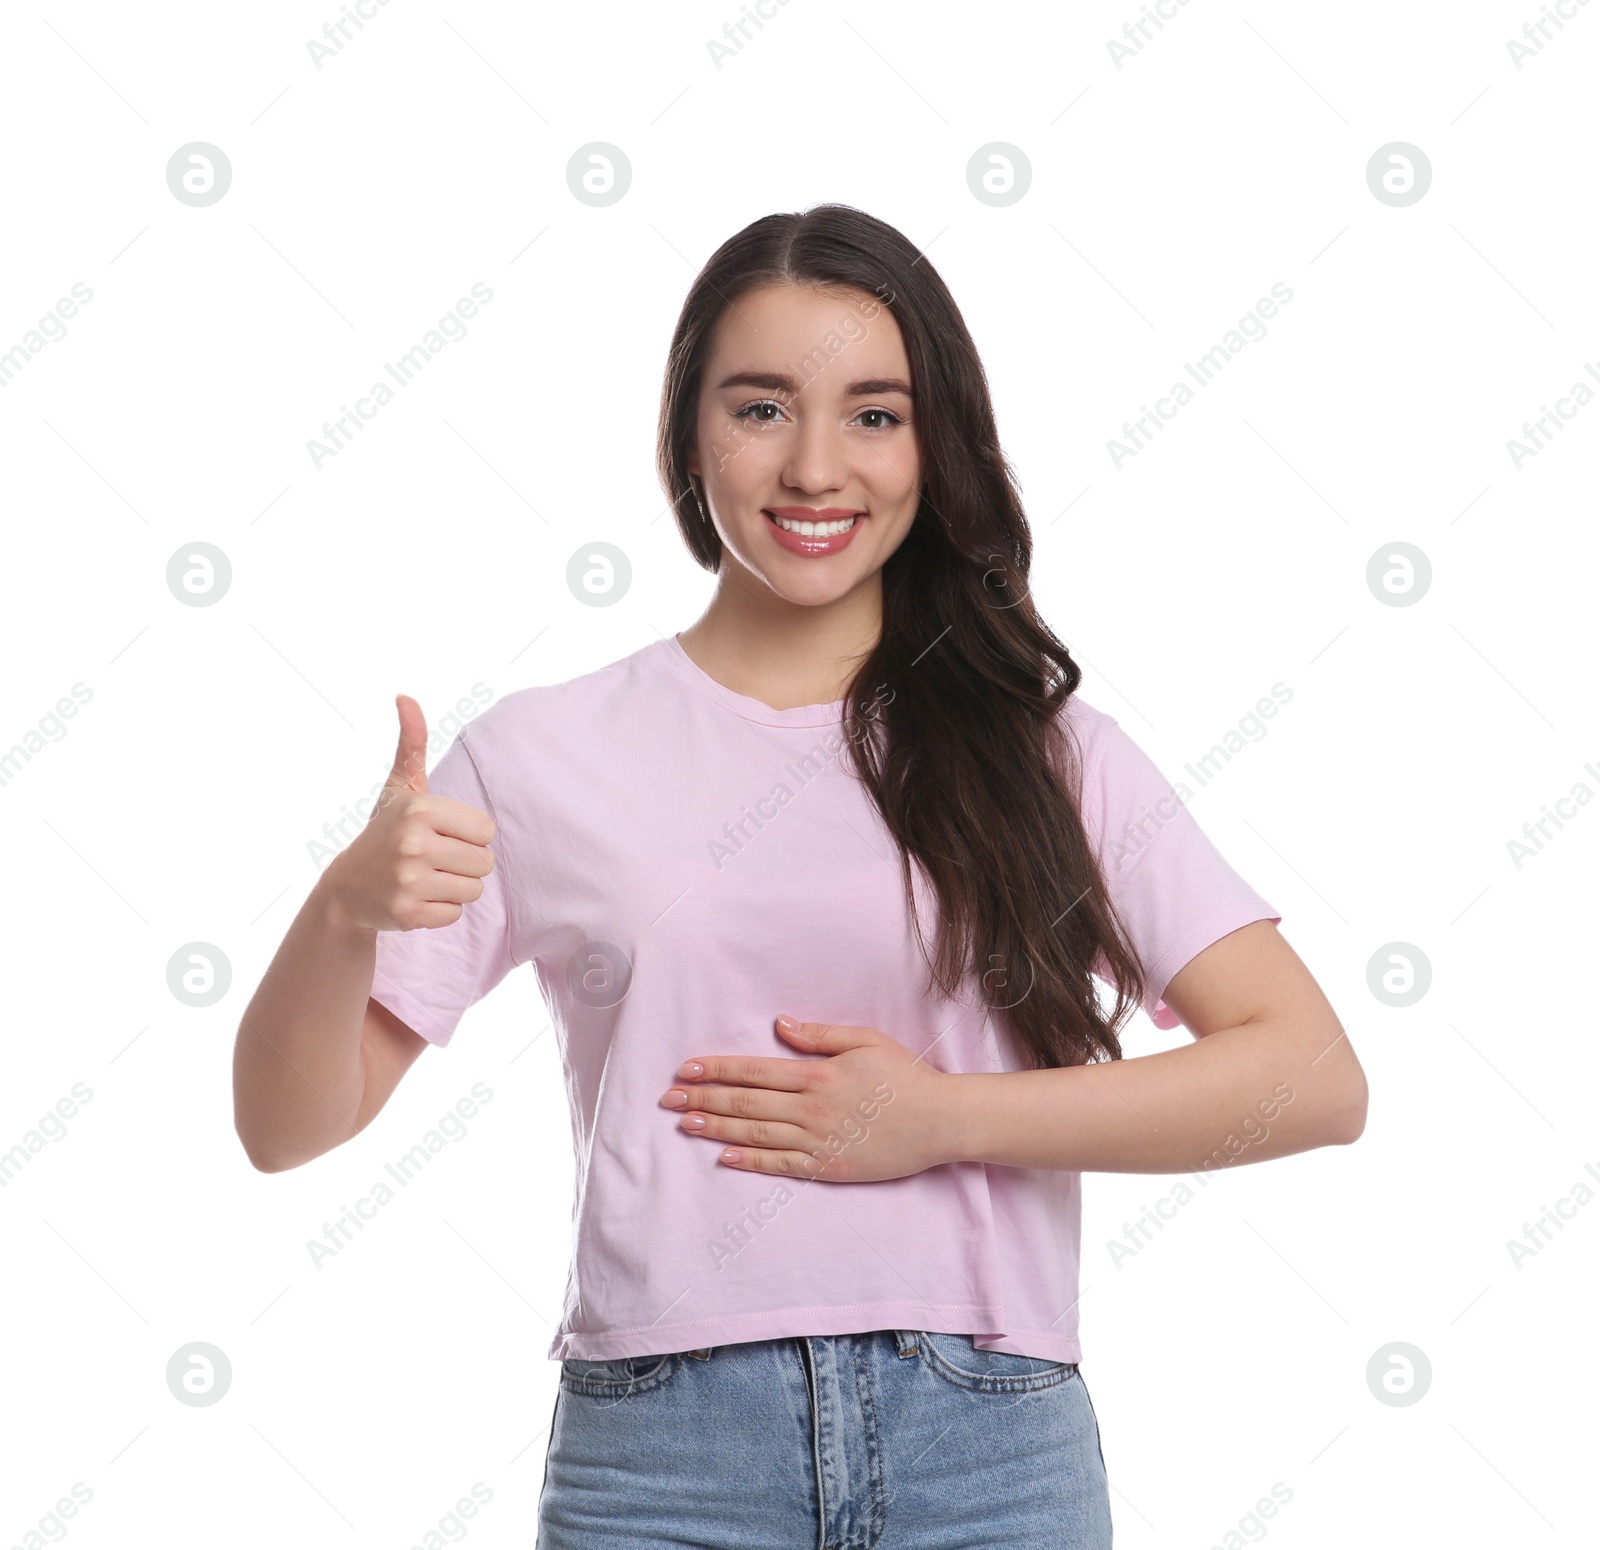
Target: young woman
827	880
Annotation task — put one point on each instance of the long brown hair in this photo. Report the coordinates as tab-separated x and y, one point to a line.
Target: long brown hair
954	720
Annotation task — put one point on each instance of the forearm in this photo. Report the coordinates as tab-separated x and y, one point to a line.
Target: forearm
1242	1094
298	1069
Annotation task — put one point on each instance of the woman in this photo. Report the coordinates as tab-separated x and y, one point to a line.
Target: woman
853	1318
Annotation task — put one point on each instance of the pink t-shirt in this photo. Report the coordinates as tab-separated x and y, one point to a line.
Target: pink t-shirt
680	864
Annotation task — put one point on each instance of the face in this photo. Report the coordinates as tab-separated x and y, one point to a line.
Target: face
805	418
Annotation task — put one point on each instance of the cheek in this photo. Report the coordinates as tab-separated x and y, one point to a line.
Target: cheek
896	477
738	448
739	455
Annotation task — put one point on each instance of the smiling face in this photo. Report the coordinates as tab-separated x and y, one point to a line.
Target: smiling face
805	422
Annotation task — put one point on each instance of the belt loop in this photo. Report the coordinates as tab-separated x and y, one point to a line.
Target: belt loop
905	1342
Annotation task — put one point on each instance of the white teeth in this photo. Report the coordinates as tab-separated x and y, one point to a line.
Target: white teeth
815	529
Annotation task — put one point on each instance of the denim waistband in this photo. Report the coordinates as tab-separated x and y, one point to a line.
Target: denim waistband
905	1341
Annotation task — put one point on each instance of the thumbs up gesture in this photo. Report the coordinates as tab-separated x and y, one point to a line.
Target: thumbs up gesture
420	857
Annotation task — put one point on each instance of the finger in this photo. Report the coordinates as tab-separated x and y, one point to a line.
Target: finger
452	855
410	769
748	1132
460	820
432	916
826	1038
788	1076
737	1102
450	888
793	1165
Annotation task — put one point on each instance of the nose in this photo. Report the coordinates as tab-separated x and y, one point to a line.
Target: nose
817	462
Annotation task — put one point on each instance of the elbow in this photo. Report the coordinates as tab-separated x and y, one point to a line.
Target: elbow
1352	1113
265	1164
258	1159
262	1160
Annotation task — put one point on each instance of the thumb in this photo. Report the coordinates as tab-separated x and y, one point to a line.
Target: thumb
410	771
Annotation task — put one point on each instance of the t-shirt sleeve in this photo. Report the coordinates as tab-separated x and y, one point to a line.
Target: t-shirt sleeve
1173	888
429	976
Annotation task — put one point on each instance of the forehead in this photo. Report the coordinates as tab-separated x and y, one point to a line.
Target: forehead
774	327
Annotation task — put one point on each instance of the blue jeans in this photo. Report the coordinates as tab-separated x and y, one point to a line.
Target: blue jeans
890	1440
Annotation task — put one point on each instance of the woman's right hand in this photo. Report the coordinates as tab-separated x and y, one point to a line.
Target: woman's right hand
419	858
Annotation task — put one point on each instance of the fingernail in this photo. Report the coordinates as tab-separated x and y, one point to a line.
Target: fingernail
729	1156
694	1121
675	1098
788	1025
691	1069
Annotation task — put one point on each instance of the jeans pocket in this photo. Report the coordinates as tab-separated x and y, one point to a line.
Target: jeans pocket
618	1377
959	1360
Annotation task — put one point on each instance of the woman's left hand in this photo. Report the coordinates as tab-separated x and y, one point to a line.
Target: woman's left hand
872	1110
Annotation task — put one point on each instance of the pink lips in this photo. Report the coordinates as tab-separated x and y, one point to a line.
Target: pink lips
816	545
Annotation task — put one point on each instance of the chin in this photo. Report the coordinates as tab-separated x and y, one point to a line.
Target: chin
813	596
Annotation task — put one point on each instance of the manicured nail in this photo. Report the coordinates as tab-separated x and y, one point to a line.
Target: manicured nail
691	1069
694	1121
788	1025
675	1098
729	1156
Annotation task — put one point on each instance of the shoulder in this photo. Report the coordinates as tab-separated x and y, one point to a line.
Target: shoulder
574	705
1093	732
1089	718
586	696
1118	780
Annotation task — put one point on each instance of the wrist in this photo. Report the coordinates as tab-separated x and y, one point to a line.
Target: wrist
961	1129
333	905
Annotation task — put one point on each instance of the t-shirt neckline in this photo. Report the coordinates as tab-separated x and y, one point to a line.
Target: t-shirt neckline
830	714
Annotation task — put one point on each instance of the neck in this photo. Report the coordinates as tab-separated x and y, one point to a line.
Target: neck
785	654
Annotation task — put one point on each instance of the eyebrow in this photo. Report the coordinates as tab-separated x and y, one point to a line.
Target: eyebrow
781	382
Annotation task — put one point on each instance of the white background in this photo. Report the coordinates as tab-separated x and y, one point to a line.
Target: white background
1166	197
